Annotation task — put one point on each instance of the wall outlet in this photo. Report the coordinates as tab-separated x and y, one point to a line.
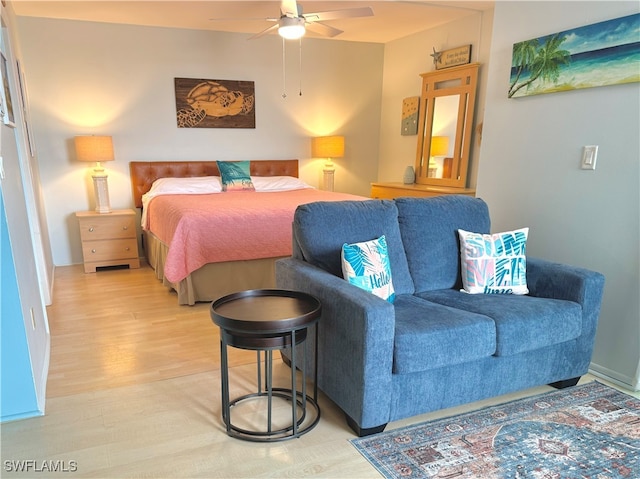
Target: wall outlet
589	157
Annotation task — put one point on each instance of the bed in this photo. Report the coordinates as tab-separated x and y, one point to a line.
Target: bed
207	245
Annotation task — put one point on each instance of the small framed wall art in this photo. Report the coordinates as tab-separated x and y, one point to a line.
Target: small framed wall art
8	116
452	57
410	108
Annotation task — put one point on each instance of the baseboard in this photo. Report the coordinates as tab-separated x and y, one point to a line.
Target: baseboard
48	300
20	416
614	376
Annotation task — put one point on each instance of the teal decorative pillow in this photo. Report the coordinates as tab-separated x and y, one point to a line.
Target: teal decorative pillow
366	265
235	175
494	263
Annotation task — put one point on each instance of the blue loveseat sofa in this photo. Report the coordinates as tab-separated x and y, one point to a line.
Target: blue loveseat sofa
435	346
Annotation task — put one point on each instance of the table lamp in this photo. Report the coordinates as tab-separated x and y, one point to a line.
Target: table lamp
328	147
97	149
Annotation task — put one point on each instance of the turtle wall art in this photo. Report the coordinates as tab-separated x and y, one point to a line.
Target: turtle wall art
215	103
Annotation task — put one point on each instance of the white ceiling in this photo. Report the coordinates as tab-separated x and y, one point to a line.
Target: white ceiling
391	20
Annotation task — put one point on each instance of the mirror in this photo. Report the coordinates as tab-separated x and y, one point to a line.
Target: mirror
445	125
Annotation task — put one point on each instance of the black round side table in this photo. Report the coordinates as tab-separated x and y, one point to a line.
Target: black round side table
265	320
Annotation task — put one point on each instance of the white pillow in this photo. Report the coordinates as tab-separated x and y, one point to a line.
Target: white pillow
181	186
278	183
197	185
494	263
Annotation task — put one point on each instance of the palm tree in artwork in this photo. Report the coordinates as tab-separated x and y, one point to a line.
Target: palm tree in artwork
543	63
523	55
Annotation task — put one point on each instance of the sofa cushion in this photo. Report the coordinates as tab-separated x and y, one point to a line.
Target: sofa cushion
429	228
321	228
523	323
429	335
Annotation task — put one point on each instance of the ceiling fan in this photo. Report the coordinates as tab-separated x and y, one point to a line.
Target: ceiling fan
293	23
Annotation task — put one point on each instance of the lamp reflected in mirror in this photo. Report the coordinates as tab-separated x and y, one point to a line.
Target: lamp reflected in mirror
437	156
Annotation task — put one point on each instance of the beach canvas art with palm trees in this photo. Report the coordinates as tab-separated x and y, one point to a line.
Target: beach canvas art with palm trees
605	53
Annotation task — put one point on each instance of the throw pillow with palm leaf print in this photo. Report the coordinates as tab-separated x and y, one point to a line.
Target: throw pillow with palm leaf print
366	265
235	175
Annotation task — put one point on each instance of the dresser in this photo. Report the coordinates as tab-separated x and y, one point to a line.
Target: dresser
389	191
108	239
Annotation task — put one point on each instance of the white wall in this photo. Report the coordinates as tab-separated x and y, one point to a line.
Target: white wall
94	78
529	172
404	61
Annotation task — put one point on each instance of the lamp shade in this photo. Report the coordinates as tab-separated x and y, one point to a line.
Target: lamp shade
327	147
94	148
439	145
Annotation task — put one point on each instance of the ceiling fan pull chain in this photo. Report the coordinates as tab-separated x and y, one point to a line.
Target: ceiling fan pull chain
284	72
300	66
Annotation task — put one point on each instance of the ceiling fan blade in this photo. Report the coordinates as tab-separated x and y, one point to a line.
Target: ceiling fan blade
336	14
289	8
243	19
322	29
265	31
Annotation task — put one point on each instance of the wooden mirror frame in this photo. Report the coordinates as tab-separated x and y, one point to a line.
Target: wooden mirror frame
462	81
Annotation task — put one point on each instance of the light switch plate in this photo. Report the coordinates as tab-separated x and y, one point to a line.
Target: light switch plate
589	157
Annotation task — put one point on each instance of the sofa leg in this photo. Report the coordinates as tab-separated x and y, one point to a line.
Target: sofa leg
361	432
567	383
352	424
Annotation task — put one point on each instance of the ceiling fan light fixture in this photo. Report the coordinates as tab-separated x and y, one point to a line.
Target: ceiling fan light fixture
291	28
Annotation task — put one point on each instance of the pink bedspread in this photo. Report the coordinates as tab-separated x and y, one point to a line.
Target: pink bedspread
212	228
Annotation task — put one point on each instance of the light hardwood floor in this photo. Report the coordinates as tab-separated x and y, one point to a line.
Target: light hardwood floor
134	392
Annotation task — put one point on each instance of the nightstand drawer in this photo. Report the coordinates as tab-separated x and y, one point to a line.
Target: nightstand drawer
108	250
99	228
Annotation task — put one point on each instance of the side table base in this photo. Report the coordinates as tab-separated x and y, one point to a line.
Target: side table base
305	422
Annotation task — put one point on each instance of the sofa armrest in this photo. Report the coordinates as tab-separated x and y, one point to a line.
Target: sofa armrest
547	279
355	332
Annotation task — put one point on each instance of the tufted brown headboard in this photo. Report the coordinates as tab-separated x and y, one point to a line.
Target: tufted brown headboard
144	173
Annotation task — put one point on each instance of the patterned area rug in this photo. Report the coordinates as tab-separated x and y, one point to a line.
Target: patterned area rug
589	431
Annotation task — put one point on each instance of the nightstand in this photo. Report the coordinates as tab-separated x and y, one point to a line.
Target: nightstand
108	239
